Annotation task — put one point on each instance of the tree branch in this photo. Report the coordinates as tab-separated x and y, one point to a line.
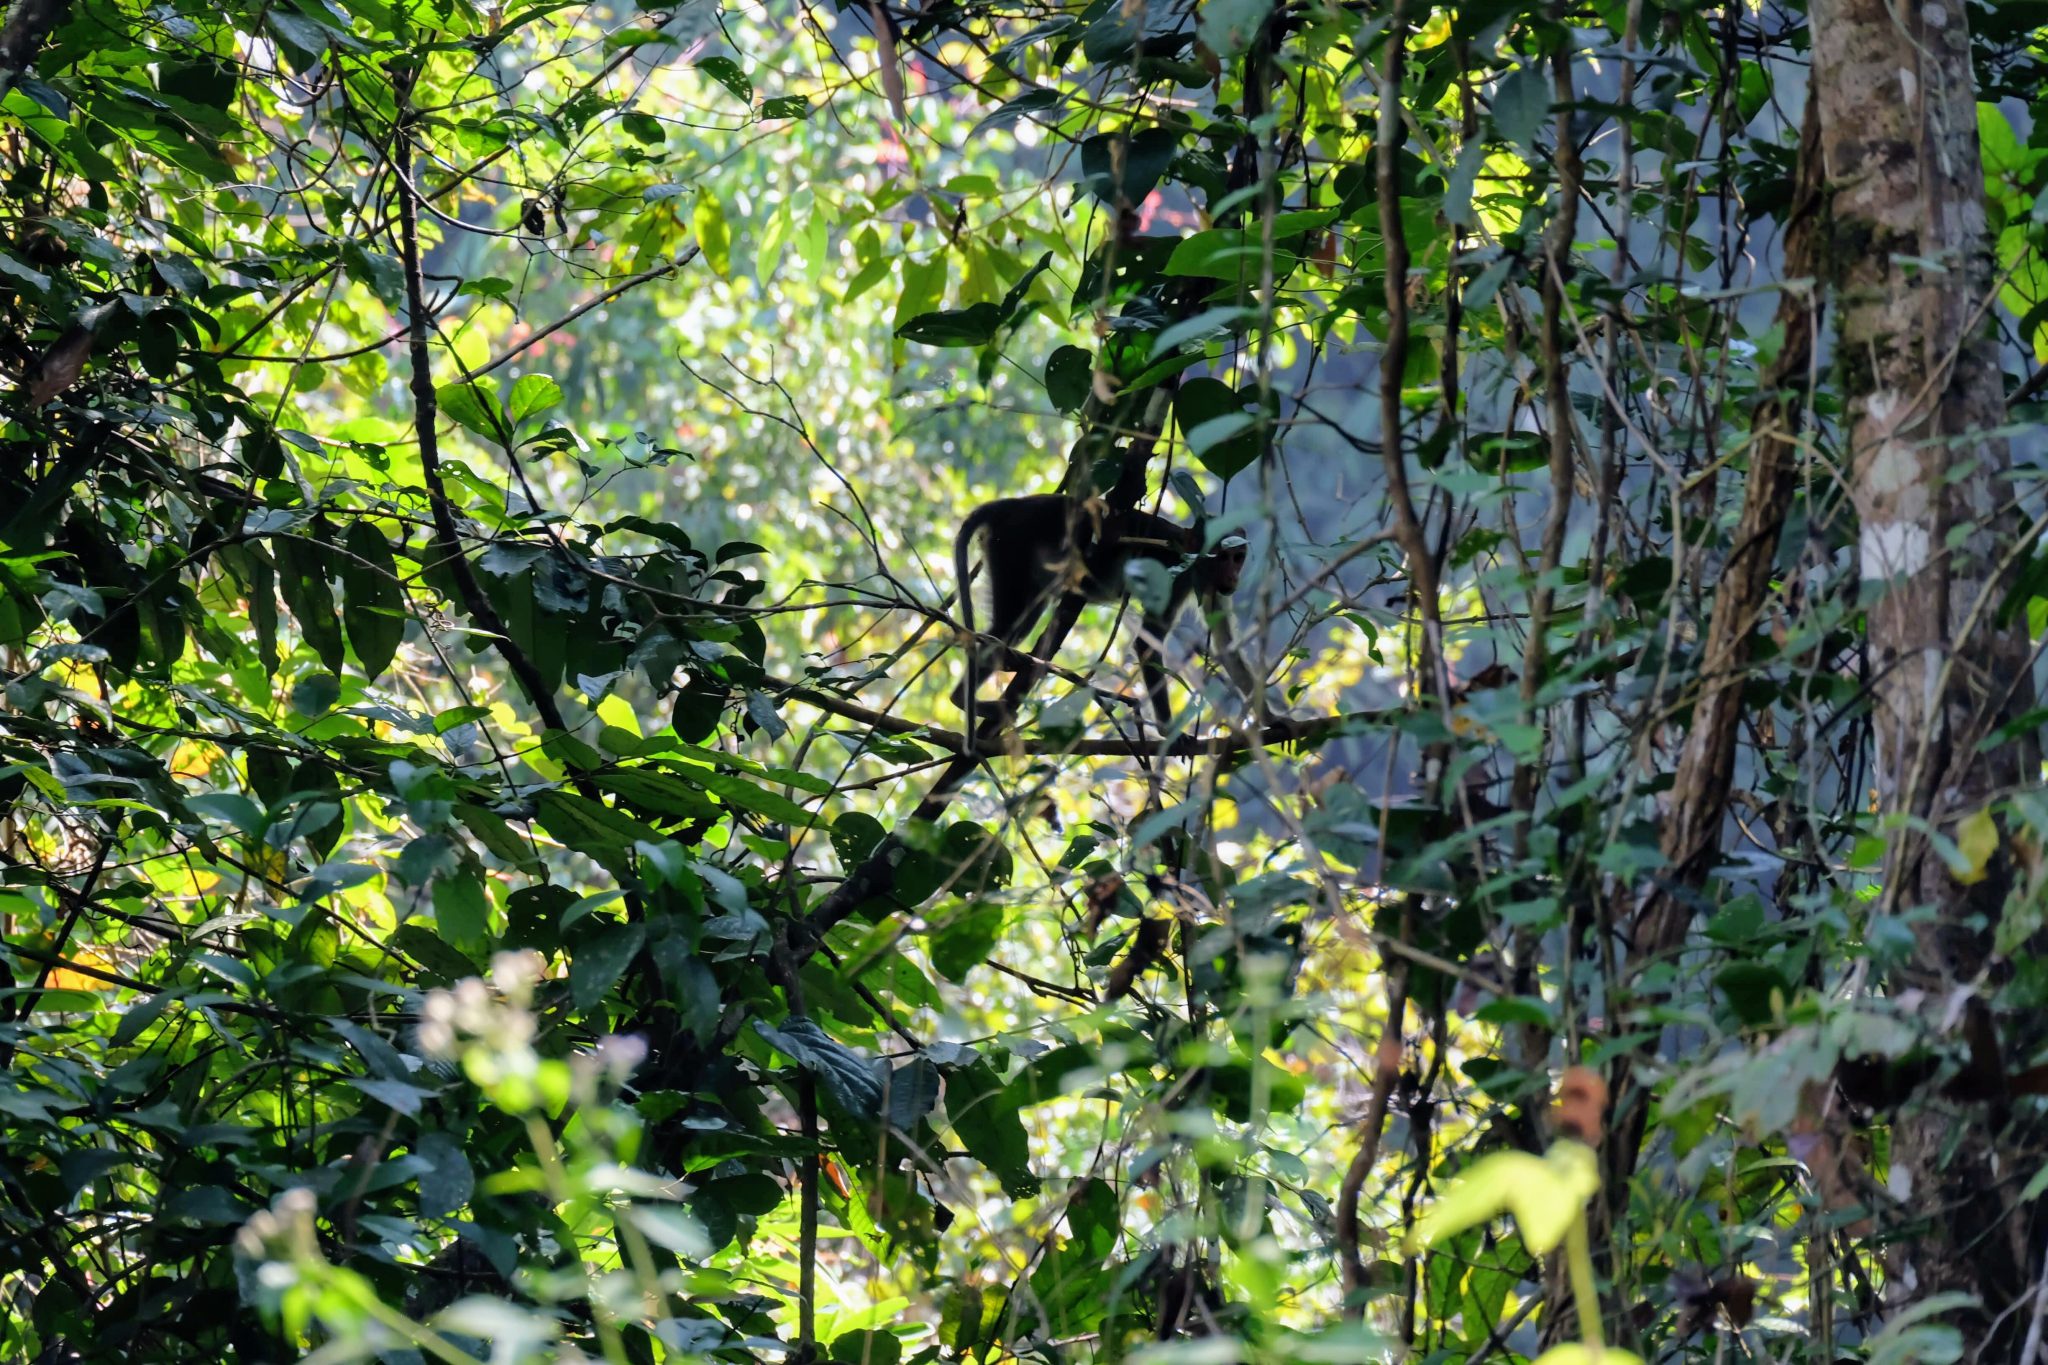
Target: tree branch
426	414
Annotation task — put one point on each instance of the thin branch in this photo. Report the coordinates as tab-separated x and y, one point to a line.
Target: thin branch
1183	746
608	294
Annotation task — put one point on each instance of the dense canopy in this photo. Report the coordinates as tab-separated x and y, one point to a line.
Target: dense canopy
492	863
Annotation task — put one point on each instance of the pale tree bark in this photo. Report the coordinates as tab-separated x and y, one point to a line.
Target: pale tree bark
1913	286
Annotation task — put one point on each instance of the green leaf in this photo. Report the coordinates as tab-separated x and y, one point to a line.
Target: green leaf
369	575
963	939
532	395
433	952
658	793
975	326
450	1180
985	1113
490	830
317	940
302	579
1222	424
473	406
599	962
1069	1281
1122	168
1228	27
1757	991
1069	378
233	807
381	272
590	825
315	694
740	793
13	268
714	233
727	73
1521	102
462	909
1235	254
852	1081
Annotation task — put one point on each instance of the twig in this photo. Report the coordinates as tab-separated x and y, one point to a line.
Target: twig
1183	746
597	300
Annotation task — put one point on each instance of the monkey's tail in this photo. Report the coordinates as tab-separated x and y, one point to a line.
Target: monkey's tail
970	682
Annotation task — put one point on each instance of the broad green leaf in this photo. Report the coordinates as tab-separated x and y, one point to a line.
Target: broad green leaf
303	567
1122	168
369	577
1236	254
473	406
1228	27
727	73
975	326
1222	425
462	909
596	964
233	807
986	1116
852	1081
714	233
532	395
1069	377
1521	102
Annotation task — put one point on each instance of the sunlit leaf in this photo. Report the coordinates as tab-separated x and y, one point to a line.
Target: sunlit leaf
1545	1194
1976	841
714	234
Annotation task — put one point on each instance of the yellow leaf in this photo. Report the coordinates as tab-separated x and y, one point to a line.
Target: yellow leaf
1976	841
714	234
1578	1353
1545	1209
1543	1193
65	979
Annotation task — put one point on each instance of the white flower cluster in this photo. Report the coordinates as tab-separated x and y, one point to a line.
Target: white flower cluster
494	1013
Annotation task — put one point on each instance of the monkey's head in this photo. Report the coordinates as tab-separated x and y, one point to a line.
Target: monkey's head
1224	565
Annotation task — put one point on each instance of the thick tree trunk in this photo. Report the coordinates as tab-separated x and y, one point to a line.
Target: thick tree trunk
1913	289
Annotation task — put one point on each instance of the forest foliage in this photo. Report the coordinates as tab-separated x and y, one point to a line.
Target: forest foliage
487	867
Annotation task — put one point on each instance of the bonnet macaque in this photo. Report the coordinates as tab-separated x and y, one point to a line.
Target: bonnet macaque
1046	548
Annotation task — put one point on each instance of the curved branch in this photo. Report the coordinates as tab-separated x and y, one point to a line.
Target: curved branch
1386	1069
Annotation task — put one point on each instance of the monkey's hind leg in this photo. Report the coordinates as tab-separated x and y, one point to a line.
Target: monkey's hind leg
1009	659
